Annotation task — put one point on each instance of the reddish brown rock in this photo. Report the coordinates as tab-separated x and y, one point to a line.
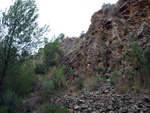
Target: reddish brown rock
109	36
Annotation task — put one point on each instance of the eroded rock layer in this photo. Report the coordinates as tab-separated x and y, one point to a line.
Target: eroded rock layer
110	35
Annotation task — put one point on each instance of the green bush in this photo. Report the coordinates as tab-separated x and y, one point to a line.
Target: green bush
136	57
114	74
146	67
138	75
58	77
39	68
110	77
9	97
52	53
103	69
140	65
3	109
96	80
56	109
21	82
99	79
48	85
72	70
147	55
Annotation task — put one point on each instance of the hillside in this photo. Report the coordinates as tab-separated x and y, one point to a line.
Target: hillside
106	50
105	70
107	62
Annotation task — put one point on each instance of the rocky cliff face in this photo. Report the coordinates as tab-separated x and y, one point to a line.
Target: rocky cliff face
110	34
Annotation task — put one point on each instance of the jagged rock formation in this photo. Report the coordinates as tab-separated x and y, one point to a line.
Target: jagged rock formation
109	36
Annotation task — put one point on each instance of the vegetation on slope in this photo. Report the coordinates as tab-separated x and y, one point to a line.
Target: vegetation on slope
20	75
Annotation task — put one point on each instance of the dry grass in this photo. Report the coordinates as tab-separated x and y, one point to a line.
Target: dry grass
125	85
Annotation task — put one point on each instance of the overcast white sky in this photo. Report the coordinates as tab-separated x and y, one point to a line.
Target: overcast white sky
70	17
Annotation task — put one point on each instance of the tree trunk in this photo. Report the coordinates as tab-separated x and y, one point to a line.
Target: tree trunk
2	77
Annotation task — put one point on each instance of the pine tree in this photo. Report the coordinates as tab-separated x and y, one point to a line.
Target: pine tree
19	32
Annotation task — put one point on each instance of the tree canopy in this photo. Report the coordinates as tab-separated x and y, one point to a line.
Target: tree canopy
19	33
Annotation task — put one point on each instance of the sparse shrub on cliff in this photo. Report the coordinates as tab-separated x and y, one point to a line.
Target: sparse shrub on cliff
105	5
53	83
147	55
139	74
115	74
141	64
110	77
48	85
58	77
146	67
136	56
102	68
72	70
106	10
137	60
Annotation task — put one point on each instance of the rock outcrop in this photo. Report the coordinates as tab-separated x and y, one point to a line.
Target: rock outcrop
110	34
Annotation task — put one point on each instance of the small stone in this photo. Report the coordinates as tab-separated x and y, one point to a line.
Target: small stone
141	111
94	112
140	43
82	95
76	107
106	91
148	44
109	107
71	110
91	101
81	101
90	109
84	106
78	111
133	108
84	111
88	65
144	39
111	112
